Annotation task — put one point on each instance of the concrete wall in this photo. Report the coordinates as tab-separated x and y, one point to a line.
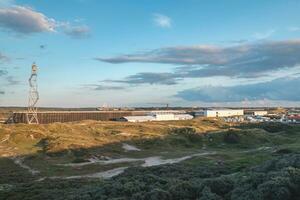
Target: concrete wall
70	116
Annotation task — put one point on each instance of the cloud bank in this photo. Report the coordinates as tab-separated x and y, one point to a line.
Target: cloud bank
246	60
278	89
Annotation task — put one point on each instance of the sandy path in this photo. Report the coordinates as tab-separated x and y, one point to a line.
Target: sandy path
128	147
148	162
20	161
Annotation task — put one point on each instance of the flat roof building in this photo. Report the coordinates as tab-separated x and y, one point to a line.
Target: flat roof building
137	118
167	115
220	113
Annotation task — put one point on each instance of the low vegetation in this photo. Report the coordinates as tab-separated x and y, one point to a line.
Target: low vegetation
236	161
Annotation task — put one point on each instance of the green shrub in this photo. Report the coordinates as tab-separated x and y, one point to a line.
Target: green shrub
283	151
275	127
184	190
231	137
206	194
221	185
275	189
157	194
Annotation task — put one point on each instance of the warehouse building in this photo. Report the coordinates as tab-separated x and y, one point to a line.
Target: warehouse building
137	118
257	112
220	113
165	115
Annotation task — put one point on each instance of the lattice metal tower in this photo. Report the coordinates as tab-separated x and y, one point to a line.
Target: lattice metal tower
32	117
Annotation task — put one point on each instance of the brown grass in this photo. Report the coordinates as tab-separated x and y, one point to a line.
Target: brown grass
27	139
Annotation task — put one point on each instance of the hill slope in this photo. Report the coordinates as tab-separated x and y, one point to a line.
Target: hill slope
201	158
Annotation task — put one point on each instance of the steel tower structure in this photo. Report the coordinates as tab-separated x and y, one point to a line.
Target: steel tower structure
32	117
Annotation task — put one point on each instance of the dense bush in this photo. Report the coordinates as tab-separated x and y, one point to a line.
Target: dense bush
270	127
276	179
275	127
231	137
206	194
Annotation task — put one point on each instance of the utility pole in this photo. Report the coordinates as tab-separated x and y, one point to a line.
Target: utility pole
32	117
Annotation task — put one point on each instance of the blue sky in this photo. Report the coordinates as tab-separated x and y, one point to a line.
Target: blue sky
151	52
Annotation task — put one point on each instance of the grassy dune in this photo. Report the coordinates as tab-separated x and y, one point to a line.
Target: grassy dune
32	155
56	137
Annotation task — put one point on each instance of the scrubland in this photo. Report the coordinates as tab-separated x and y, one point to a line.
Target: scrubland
195	159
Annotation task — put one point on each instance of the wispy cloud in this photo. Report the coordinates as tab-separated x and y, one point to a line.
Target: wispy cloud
12	81
150	78
99	87
77	32
264	35
241	41
3	57
294	28
162	20
3	72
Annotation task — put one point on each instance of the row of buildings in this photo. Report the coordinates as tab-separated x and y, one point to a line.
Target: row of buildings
170	115
162	115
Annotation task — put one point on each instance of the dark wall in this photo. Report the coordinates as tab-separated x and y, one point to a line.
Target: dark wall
51	117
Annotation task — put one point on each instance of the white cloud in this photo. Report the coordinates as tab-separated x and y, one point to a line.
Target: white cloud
3	57
294	28
25	20
162	20
263	35
77	32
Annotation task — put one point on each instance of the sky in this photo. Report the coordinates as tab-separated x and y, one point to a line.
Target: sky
151	52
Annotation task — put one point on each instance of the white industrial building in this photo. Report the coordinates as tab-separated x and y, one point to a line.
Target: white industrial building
260	112
220	113
137	118
183	117
166	115
252	112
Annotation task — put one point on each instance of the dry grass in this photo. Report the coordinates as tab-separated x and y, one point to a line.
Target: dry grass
26	139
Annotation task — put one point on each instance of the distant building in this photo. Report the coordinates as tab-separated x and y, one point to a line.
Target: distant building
137	118
220	113
260	113
183	116
255	112
165	115
294	118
